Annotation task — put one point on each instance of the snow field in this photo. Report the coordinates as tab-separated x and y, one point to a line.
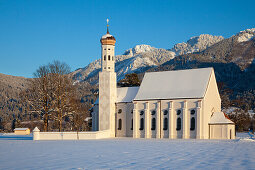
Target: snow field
126	153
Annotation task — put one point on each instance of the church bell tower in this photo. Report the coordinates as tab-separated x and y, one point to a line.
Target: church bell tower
107	84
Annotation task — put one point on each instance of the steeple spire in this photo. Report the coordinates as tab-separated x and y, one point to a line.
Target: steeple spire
107	26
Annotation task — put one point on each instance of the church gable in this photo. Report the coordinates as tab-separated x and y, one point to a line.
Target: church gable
179	84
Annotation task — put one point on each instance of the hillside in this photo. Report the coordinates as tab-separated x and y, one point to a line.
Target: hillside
10	87
13	108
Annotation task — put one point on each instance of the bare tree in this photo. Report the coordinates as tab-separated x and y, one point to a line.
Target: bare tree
38	96
52	95
63	90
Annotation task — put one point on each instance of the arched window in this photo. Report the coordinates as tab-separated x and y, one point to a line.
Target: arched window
119	111
153	112
165	112
120	124
153	124
192	112
109	57
179	112
104	57
165	124
141	124
192	123
179	124
132	124
142	112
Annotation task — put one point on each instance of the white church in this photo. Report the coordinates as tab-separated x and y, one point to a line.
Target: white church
182	104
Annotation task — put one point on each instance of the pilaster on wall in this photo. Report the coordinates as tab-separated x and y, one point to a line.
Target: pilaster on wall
199	120
158	128
172	133
185	121
147	121
135	121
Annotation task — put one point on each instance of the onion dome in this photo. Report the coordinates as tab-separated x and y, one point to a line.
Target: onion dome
108	39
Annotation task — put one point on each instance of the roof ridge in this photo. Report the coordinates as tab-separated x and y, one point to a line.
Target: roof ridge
179	70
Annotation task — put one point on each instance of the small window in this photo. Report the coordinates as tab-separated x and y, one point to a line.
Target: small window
109	57
141	124
165	112
132	124
192	123
179	124
120	124
112	58
104	67
120	111
153	112
179	112
142	112
109	67
165	124
192	112
109	49
153	124
104	57
131	111
105	49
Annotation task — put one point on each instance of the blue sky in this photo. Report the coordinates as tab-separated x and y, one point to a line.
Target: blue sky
36	32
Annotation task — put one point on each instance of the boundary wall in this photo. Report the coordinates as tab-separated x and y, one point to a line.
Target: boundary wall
37	135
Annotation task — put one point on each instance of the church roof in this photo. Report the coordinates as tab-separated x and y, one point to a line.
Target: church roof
20	128
126	94
220	118
179	84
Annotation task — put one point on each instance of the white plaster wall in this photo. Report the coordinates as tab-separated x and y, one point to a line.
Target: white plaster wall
140	106
108	65
126	116
107	100
123	107
153	106
222	131
211	103
159	107
129	117
71	135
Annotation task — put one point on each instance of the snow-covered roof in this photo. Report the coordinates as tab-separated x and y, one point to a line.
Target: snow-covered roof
126	94
20	128
220	118
191	83
107	36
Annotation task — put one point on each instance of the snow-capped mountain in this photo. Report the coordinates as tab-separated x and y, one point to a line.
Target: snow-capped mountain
142	57
196	44
136	59
139	49
246	35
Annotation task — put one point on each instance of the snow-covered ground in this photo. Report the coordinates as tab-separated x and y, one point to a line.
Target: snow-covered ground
21	152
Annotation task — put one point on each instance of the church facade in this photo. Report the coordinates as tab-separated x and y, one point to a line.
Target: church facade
183	104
